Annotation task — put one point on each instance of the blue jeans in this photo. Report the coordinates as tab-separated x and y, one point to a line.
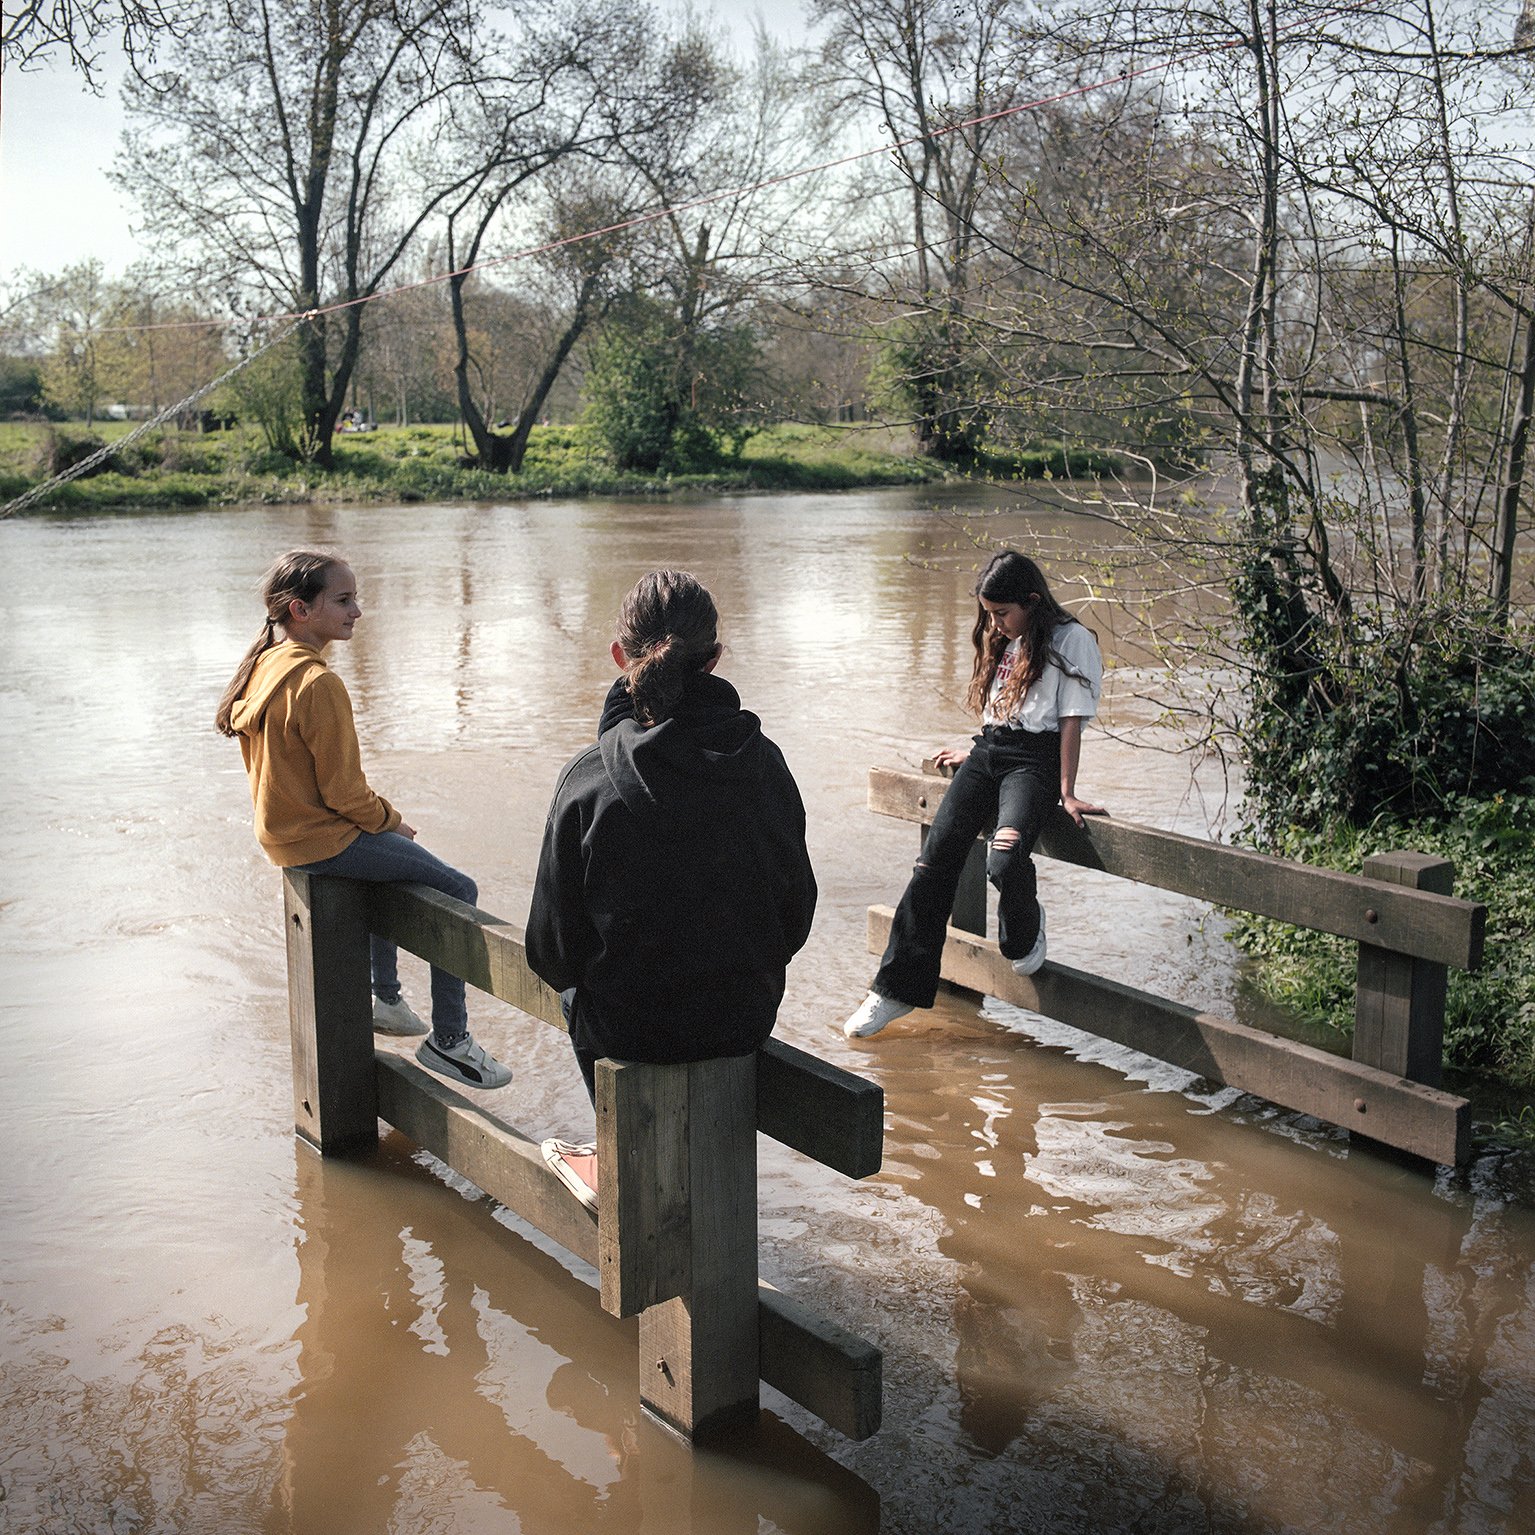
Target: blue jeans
1012	778
387	858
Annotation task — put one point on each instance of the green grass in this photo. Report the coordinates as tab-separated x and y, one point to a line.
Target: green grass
417	463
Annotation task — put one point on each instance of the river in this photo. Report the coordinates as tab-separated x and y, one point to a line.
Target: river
1110	1298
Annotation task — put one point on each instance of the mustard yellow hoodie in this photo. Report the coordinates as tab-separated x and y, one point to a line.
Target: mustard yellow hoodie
296	734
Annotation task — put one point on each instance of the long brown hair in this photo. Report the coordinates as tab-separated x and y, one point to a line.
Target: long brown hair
300	575
1012	577
667	628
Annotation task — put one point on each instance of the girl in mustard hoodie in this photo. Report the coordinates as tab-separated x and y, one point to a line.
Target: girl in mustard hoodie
314	810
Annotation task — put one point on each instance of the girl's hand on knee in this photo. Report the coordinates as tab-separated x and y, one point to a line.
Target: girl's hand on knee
406	830
948	757
1077	808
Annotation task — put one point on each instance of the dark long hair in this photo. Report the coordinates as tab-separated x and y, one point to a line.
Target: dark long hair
667	629
1012	577
299	575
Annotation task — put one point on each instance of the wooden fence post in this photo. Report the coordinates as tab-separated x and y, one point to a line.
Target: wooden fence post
330	1012
682	1141
1399	1001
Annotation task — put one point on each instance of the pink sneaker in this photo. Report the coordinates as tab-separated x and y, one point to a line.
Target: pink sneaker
575	1167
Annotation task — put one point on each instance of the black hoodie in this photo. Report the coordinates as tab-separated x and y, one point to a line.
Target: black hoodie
673	884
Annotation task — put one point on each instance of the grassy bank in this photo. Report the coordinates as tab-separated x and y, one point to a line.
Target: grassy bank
1490	1015
427	463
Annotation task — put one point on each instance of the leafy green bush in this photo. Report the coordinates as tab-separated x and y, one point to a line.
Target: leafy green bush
1490	1014
59	450
1364	708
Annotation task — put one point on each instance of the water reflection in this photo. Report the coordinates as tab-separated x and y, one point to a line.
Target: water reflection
1166	1313
452	1374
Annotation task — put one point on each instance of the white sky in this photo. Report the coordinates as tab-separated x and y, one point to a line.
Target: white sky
57	142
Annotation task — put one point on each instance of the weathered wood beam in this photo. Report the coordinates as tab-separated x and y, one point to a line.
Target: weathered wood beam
490	1153
812	1107
833	1116
644	1227
699	1365
1399	1001
833	1372
330	1006
460	938
826	1369
1435	927
1387	1108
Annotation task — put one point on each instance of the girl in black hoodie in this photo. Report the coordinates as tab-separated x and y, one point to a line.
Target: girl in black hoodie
673	884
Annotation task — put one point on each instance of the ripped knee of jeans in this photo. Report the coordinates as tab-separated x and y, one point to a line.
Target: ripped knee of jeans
1000	852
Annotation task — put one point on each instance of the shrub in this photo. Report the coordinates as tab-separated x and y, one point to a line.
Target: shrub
1490	1013
1371	709
59	451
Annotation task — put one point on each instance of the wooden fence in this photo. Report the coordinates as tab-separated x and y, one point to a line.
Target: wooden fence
674	1240
1408	926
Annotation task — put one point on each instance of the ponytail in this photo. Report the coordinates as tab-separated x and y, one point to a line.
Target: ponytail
667	630
298	576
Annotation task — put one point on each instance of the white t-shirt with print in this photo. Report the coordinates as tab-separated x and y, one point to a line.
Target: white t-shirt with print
1057	695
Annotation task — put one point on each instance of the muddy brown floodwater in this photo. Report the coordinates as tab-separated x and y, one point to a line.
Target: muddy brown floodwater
1110	1298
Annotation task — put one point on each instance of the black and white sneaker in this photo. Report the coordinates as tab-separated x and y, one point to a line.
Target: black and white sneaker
1031	962
464	1062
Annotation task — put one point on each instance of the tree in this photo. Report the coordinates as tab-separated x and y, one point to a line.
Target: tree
31	30
295	159
82	360
566	290
1301	249
711	255
578	61
916	69
405	365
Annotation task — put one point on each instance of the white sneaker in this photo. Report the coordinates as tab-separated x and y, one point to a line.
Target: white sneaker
397	1017
1036	956
575	1167
464	1062
873	1014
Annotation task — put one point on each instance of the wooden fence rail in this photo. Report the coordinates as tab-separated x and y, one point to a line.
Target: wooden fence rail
1408	926
675	1237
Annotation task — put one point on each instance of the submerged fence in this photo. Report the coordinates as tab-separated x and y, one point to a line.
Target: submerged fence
1408	926
674	1240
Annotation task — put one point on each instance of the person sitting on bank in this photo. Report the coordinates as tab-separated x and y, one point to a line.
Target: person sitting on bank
674	884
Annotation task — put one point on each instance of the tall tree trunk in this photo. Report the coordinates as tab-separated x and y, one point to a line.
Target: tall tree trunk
488	448
1507	528
517	443
1409	423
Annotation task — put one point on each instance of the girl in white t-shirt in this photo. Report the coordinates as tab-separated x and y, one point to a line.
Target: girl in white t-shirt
1036	681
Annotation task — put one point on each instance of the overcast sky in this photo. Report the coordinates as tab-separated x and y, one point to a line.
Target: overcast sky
57	141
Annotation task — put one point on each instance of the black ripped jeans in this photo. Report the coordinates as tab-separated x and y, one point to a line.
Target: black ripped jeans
1011	779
